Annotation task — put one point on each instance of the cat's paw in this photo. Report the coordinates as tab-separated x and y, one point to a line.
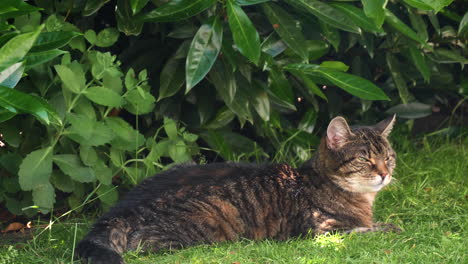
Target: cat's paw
386	227
91	253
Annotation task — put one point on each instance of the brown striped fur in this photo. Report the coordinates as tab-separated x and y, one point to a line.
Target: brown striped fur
218	202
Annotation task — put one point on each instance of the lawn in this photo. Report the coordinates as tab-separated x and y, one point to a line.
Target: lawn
429	201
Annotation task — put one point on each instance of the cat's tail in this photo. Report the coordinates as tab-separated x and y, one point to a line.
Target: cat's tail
105	243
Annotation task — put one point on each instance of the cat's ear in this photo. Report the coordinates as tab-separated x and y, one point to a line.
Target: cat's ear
338	133
385	126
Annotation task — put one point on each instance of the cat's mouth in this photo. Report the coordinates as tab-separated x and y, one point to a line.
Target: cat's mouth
368	184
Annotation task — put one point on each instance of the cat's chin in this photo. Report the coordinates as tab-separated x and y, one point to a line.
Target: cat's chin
359	186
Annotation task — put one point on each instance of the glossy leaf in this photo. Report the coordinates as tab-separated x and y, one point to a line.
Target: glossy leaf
411	110
222	118
358	16
418	23
352	84
125	20
375	9
224	81
172	78
36	58
307	123
400	83
16	48
316	48
419	61
331	34
435	5
396	23
177	10
327	14
243	31
335	65
260	101
463	27
71	165
203	52
53	40
19	102
250	2
287	29
35	168
137	5
310	84
15	8
273	45
281	89
92	6
11	76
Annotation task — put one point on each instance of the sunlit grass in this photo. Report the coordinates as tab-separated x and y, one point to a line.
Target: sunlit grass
429	201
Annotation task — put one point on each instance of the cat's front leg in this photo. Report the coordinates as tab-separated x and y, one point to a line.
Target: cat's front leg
376	227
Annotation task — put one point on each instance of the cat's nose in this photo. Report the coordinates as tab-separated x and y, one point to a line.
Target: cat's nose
383	175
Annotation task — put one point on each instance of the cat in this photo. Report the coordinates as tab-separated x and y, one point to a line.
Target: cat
194	204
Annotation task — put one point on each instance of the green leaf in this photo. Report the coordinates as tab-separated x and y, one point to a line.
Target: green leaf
310	84
316	48
222	118
53	40
90	36
419	61
172	78
92	6
86	131
126	137
16	101
88	155
224	81
11	76
44	197
327	14
463	27
103	173
375	9
170	126
107	37
36	58
108	194
335	65
352	84
124	12
250	2
260	101
35	169
280	87
177	10
139	101
411	110
103	96
396	23
178	151
435	5
400	83
243	31
137	5
72	80
287	29
16	48
62	182
15	8
418	23
359	17
203	52
308	121
331	34
71	165
273	45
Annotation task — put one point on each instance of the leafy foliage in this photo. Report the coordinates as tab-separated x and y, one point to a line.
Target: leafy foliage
91	91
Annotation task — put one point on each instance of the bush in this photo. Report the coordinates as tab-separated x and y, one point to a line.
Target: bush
204	80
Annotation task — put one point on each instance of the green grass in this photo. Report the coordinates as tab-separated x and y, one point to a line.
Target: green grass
429	201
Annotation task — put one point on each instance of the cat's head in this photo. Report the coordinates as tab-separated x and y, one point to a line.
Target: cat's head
359	159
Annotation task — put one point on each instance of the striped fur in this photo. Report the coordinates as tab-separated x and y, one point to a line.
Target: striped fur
218	202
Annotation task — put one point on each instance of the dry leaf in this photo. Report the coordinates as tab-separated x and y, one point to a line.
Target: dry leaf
13	227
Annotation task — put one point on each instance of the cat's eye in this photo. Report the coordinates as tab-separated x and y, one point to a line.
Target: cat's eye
363	159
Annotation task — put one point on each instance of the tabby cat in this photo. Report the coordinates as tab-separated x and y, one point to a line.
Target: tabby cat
218	202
